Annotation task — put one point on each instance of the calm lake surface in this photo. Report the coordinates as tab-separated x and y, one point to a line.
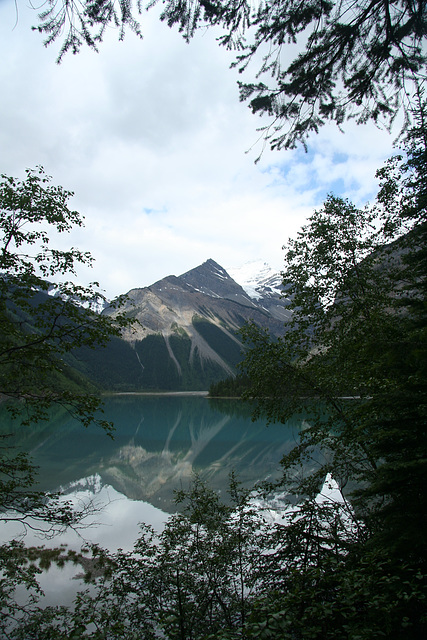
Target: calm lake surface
159	442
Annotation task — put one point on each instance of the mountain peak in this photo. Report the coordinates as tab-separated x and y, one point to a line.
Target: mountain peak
258	279
264	287
187	332
213	280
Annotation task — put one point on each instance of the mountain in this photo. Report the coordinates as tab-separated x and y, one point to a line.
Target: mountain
186	336
264	285
186	332
207	292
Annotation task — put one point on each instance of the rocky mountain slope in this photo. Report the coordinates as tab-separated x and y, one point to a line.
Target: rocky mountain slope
206	292
186	331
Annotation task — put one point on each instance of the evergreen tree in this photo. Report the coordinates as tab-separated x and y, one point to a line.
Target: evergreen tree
355	356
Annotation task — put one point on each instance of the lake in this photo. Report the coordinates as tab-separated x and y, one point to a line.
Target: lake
159	442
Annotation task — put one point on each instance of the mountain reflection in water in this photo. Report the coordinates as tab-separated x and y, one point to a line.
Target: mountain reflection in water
159	442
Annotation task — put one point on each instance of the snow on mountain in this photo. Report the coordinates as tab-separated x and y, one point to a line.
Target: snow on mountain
257	278
187	332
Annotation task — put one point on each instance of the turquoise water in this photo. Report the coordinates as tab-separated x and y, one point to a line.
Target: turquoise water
159	442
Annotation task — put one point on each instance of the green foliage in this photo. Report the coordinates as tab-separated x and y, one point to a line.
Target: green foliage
341	599
47	515
223	570
41	321
85	23
20	502
354	361
355	355
355	60
194	578
356	342
230	387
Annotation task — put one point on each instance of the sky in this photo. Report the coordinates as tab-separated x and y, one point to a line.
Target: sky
152	139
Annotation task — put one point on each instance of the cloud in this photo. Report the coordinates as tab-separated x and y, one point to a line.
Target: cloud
151	137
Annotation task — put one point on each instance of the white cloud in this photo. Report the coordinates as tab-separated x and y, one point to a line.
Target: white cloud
156	126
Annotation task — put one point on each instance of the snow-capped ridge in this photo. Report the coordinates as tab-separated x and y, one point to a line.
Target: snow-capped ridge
257	278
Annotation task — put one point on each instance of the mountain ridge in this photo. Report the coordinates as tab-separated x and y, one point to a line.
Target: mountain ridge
207	291
186	332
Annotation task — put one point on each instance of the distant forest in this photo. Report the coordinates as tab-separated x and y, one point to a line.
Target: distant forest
231	387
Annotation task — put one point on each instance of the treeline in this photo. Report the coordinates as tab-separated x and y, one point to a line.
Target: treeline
147	365
230	387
